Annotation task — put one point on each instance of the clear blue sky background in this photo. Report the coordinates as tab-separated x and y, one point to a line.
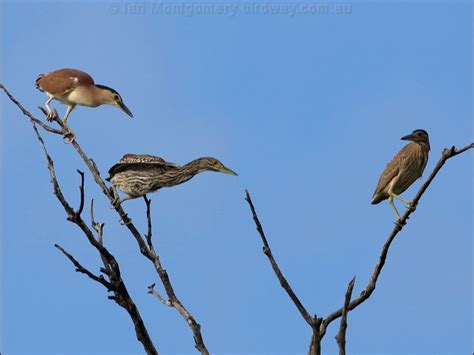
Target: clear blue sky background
308	109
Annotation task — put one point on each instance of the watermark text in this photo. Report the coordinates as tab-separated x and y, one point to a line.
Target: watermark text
227	9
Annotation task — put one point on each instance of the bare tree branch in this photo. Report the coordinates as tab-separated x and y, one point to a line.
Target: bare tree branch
315	344
81	189
173	301
148	218
268	252
116	284
29	115
365	294
149	253
318	325
99	229
341	335
79	268
314	322
152	291
318	334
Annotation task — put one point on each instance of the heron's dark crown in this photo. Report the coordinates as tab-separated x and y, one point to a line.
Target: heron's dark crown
113	91
420	131
419	136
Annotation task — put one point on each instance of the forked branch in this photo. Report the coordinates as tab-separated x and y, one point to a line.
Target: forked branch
115	282
367	292
172	301
147	250
79	268
341	335
318	334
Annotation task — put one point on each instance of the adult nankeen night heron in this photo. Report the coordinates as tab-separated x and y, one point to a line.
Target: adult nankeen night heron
74	87
403	170
139	174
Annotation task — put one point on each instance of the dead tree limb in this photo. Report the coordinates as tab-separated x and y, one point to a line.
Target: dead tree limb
319	325
152	291
268	252
79	268
172	301
367	292
341	335
115	283
313	322
149	252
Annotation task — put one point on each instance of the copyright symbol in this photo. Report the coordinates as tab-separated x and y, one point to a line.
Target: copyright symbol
113	8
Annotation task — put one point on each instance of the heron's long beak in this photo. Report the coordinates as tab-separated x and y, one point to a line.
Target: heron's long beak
228	171
125	109
409	137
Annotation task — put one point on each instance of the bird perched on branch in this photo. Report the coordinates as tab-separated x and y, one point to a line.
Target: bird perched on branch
74	87
403	170
139	174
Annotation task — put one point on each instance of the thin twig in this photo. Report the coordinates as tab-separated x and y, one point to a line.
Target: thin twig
152	291
99	228
268	252
79	268
29	115
81	189
148	235
341	335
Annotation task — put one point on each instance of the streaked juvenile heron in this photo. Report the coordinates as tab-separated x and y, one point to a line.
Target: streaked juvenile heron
139	174
403	170
74	87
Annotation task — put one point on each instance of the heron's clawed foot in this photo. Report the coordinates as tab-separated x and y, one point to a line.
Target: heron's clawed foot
123	223
115	203
400	223
50	116
411	207
69	135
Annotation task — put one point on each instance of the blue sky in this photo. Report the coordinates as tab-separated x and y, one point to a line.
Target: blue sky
307	109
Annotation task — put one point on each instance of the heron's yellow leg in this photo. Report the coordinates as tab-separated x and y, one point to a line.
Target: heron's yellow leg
390	200
68	111
50	115
404	200
117	200
69	135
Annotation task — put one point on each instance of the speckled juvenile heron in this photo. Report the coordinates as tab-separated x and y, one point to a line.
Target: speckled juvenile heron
139	174
74	87
403	170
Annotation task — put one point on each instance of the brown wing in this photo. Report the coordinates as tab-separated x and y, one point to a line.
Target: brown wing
140	161
62	81
391	170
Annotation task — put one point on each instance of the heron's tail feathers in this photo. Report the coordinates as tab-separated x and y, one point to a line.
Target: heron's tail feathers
377	198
